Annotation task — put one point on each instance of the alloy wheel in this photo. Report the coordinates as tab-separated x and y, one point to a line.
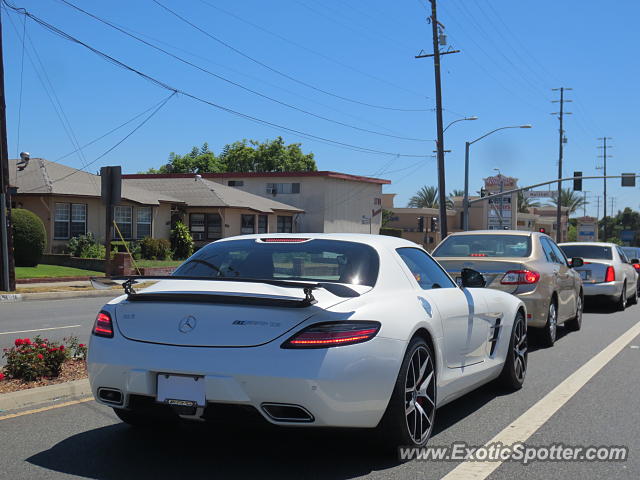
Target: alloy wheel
419	396
579	311
553	321
520	348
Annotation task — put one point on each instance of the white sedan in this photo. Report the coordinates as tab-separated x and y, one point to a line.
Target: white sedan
306	330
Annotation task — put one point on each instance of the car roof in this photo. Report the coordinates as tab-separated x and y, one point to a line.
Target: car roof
379	241
496	232
596	244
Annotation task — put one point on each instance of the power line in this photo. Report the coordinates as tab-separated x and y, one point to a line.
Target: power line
274	70
236	84
166	86
310	50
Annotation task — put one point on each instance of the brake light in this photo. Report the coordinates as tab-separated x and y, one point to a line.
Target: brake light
284	240
636	266
333	334
610	276
103	326
520	277
478	255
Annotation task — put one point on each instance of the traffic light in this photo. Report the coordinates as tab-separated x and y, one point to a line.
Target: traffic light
421	224
434	224
577	182
628	179
483	192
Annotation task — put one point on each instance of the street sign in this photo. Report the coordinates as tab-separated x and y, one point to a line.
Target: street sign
628	235
539	194
628	179
587	232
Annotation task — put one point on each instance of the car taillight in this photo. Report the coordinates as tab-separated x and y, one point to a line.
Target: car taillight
284	240
636	266
103	326
610	276
333	334
520	277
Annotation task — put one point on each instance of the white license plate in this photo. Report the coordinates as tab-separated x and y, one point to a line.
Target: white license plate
585	274
181	390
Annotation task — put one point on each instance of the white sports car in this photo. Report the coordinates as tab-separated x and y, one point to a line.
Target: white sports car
306	330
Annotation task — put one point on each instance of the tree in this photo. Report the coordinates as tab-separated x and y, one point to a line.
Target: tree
524	204
387	215
242	156
29	237
427	197
570	199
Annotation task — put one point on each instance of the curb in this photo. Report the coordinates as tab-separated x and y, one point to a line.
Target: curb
29	281
50	393
24	297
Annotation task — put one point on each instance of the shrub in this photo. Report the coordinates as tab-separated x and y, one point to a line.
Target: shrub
75	350
392	232
29	237
155	248
31	359
86	246
181	242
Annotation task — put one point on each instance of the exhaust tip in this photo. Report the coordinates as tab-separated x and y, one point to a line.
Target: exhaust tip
283	412
110	395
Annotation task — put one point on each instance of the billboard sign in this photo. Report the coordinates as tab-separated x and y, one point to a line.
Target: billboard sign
587	232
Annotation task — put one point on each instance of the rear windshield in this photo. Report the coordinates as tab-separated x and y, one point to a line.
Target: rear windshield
313	260
485	246
587	251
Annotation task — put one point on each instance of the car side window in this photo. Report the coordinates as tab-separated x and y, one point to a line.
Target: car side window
548	251
623	257
425	269
559	254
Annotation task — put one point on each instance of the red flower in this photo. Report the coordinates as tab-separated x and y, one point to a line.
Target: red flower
40	356
27	341
1	376
18	342
43	345
81	345
53	350
61	348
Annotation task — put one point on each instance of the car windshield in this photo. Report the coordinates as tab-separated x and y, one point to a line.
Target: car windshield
600	252
307	260
485	246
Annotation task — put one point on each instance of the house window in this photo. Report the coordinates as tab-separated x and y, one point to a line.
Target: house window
248	224
377	201
235	183
273	188
205	226
263	223
61	221
285	224
214	226
143	222
123	216
70	220
197	226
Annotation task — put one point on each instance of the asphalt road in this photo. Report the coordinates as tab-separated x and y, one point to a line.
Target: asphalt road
87	441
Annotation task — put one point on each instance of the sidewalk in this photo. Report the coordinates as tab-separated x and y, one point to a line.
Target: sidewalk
56	290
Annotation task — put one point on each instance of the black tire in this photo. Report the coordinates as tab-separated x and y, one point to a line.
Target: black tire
634	298
575	323
515	366
410	407
621	304
549	332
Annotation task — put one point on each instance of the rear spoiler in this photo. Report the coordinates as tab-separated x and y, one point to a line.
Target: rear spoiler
128	281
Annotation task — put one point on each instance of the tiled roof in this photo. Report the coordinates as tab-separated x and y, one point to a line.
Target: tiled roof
232	175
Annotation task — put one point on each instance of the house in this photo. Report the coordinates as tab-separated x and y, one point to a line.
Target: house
69	204
332	201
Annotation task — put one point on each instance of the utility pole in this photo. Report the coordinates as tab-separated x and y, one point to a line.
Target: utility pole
7	271
561	115
439	38
584	203
604	156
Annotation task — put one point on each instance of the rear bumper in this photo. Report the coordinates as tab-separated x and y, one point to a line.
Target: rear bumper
537	305
347	386
609	289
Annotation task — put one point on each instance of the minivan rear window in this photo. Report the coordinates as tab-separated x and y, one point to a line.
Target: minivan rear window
315	260
598	252
484	246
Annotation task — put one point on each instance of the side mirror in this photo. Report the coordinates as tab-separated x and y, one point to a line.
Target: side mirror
471	278
576	262
635	260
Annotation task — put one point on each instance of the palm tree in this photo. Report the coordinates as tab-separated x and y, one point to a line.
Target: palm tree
457	193
570	199
524	204
427	197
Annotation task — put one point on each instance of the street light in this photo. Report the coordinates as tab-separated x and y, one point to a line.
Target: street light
466	170
460	120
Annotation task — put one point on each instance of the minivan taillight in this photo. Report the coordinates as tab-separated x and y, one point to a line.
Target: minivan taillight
520	277
610	276
333	334
103	326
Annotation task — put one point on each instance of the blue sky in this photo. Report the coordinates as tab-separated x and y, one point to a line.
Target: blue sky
513	53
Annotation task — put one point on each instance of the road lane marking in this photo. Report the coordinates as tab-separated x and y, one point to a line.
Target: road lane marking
39	329
531	420
44	409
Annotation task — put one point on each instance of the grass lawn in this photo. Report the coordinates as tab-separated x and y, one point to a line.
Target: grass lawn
158	263
45	271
